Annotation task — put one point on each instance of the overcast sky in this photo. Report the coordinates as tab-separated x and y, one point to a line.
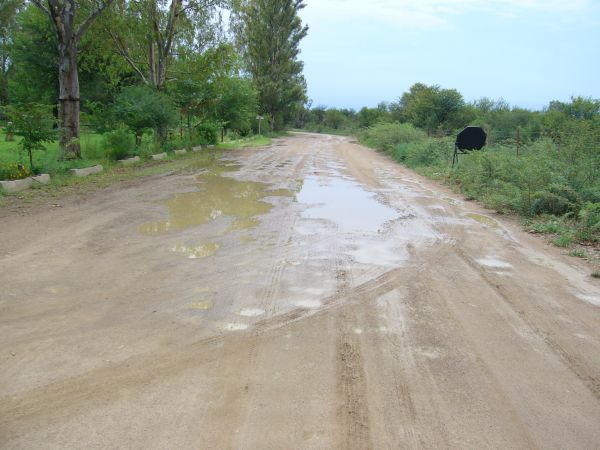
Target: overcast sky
361	52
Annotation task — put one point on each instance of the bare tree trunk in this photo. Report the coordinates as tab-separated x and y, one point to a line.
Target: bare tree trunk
62	17
68	111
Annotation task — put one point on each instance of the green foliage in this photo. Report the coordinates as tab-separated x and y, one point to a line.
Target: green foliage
34	74
269	34
119	144
589	222
236	105
14	171
34	123
557	199
387	136
208	133
142	108
596	274
436	110
578	253
565	240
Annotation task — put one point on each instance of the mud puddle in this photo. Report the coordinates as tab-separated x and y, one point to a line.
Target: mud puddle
344	203
218	196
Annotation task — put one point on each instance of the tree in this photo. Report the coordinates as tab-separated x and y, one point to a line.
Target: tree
34	123
68	30
269	33
151	34
143	107
434	109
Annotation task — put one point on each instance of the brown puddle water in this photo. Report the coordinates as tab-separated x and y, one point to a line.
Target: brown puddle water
218	196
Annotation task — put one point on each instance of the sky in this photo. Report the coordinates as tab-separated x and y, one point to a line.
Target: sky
527	52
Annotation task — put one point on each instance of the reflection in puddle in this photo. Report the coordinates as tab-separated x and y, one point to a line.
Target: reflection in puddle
308	304
218	196
344	203
235	327
203	306
199	251
591	299
494	263
251	312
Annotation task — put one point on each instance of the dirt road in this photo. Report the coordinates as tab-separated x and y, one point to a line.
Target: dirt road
312	294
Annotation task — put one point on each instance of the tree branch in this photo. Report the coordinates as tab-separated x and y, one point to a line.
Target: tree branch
86	24
42	8
125	54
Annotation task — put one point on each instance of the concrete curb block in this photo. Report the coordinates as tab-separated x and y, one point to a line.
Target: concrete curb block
197	149
158	156
44	178
16	185
129	161
211	146
87	171
20	185
180	152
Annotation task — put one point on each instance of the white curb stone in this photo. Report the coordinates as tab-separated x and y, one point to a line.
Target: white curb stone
16	185
87	171
129	161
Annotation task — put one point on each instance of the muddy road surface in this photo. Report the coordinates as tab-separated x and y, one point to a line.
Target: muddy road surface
311	294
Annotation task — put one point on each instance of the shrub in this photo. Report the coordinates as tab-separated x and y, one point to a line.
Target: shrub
34	123
208	132
119	144
141	108
430	152
557	199
14	172
387	136
589	222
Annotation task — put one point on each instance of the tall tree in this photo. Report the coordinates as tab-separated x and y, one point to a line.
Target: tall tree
69	29
151	34
269	34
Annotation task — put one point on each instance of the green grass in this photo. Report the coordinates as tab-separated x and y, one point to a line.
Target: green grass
254	141
47	161
63	183
578	253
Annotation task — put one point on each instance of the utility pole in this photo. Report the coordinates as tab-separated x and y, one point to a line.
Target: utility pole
518	140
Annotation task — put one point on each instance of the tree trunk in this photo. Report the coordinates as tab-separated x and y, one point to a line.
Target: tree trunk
68	111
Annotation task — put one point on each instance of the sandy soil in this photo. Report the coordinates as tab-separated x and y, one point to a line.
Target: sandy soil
312	294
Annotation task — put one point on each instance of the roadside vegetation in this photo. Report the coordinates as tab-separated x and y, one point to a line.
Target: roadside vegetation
141	78
542	165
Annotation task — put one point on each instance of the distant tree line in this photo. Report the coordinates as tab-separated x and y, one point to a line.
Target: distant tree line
442	112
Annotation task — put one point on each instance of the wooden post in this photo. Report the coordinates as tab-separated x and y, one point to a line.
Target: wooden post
518	140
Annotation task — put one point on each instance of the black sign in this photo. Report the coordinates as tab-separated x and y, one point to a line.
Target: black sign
471	138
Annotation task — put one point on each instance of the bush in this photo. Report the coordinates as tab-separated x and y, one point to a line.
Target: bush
557	199
141	108
14	172
119	144
589	222
387	136
208	133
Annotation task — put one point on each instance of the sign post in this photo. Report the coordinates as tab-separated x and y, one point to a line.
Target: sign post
259	118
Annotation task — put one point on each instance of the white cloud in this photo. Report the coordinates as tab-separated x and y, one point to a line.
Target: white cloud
430	14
